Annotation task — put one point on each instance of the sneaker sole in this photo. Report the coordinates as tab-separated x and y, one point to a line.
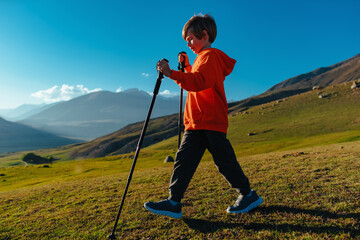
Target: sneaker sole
250	207
165	213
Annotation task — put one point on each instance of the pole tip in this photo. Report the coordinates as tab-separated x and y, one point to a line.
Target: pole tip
111	236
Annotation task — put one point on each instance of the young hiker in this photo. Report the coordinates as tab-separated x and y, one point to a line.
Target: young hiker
205	120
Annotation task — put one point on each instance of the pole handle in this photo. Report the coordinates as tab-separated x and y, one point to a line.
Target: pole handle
181	65
158	80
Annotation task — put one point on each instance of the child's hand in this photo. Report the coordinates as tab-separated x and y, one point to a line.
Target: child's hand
163	66
183	57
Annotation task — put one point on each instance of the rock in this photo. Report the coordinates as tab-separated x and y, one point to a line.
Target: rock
355	85
169	159
251	134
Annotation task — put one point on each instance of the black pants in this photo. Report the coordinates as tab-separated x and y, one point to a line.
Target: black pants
193	146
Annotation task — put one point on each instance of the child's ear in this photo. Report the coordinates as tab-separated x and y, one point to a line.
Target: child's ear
206	35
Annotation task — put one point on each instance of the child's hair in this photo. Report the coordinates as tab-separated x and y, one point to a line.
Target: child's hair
198	23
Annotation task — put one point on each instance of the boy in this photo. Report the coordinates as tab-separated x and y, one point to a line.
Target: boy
205	120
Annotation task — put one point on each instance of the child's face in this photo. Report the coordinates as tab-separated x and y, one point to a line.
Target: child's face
196	45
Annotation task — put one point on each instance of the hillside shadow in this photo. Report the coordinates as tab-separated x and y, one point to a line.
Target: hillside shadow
206	226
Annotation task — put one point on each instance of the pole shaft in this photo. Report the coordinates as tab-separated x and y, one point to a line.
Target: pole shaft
181	67
180	117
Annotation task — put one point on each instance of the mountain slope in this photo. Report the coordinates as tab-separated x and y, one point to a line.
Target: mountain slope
263	98
344	71
18	137
100	113
126	139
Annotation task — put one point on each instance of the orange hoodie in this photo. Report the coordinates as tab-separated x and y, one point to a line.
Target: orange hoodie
206	106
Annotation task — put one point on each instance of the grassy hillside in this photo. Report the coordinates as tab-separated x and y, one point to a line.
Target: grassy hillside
311	193
298	121
14	159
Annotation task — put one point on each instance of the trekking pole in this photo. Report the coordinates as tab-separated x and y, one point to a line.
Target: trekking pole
142	135
181	67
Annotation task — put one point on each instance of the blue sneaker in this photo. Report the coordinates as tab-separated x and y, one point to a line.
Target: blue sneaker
245	203
164	208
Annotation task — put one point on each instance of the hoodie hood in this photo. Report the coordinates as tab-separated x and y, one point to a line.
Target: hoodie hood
226	62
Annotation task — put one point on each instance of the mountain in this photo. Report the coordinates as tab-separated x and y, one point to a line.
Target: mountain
345	71
99	113
24	111
19	137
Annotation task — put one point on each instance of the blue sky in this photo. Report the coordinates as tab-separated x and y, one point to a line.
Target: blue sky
53	50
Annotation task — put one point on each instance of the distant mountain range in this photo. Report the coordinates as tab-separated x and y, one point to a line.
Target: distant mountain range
24	111
99	113
18	137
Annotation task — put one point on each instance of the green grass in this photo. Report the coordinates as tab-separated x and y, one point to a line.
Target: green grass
308	194
14	159
303	118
